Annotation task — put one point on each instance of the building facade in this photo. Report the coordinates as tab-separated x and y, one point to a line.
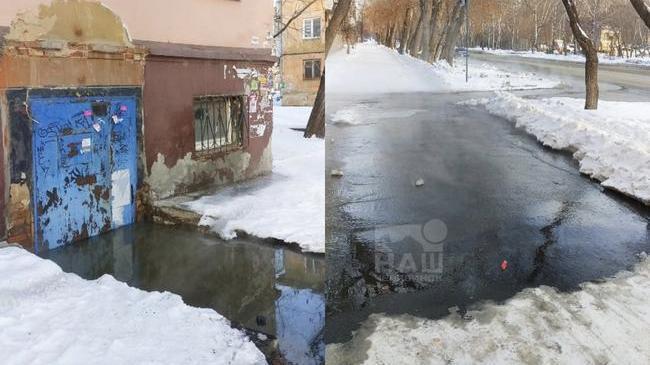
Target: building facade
303	46
104	107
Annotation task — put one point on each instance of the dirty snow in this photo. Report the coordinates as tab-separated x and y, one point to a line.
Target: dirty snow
372	69
51	317
579	58
610	143
290	204
605	323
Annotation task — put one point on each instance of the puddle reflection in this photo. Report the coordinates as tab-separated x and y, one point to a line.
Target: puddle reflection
269	290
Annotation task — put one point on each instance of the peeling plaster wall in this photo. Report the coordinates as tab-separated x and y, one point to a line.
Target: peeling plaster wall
171	84
247	22
69	21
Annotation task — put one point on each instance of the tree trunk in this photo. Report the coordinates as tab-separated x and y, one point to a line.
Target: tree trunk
436	18
456	21
590	52
417	38
643	10
426	30
405	31
316	124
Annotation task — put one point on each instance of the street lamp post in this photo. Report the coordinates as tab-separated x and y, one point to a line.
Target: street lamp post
466	40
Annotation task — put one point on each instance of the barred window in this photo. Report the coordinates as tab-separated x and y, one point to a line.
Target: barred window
312	69
218	122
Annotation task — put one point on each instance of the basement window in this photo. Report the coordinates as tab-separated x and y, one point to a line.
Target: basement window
312	69
311	28
218	122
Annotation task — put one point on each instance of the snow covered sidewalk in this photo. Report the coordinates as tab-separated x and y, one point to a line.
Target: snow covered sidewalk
289	205
51	317
578	58
604	323
610	143
372	69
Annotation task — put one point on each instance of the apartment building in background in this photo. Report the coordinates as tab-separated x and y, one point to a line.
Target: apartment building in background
302	48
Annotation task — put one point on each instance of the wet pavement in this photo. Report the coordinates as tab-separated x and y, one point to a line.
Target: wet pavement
491	194
275	294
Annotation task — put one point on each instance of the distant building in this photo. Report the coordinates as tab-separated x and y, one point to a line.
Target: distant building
302	50
609	41
105	106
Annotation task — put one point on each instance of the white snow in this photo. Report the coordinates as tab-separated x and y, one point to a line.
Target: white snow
372	69
290	204
610	143
605	323
51	317
580	58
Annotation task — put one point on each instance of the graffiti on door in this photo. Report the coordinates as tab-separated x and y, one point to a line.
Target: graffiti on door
84	167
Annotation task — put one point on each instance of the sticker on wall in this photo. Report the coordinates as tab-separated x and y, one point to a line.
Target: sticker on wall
88	113
255	85
257	130
252	108
97	127
86	145
124	108
121	189
117	119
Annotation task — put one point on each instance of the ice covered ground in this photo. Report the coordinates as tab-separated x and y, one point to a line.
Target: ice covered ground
610	143
290	204
372	69
604	323
51	317
603	59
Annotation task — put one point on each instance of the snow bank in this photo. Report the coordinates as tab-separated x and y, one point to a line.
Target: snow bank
372	69
610	143
606	323
579	58
51	317
289	205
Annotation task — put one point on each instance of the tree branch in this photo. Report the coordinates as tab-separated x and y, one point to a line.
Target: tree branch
643	10
294	17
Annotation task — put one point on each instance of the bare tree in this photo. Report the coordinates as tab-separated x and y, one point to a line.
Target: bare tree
316	124
591	54
643	9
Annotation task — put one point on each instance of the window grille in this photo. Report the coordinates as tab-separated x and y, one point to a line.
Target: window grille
218	122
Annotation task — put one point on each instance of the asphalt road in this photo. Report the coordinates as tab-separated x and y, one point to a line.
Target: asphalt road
495	191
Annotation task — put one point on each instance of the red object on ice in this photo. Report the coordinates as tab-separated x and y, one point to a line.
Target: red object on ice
504	265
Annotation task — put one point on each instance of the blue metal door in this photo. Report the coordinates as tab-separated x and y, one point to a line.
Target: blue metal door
85	170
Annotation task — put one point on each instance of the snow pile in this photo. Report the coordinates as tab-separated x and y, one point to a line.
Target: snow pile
606	323
579	58
610	143
290	204
51	317
372	69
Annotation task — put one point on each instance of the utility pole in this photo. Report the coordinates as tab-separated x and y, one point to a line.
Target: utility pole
466	40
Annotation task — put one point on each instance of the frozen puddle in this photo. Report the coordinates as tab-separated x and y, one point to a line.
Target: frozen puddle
272	293
364	114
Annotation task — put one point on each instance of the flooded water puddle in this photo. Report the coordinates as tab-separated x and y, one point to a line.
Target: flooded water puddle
497	213
273	293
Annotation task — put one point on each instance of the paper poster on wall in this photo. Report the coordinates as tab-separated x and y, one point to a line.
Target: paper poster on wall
252	108
121	189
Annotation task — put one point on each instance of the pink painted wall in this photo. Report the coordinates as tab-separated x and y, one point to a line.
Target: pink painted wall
227	23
